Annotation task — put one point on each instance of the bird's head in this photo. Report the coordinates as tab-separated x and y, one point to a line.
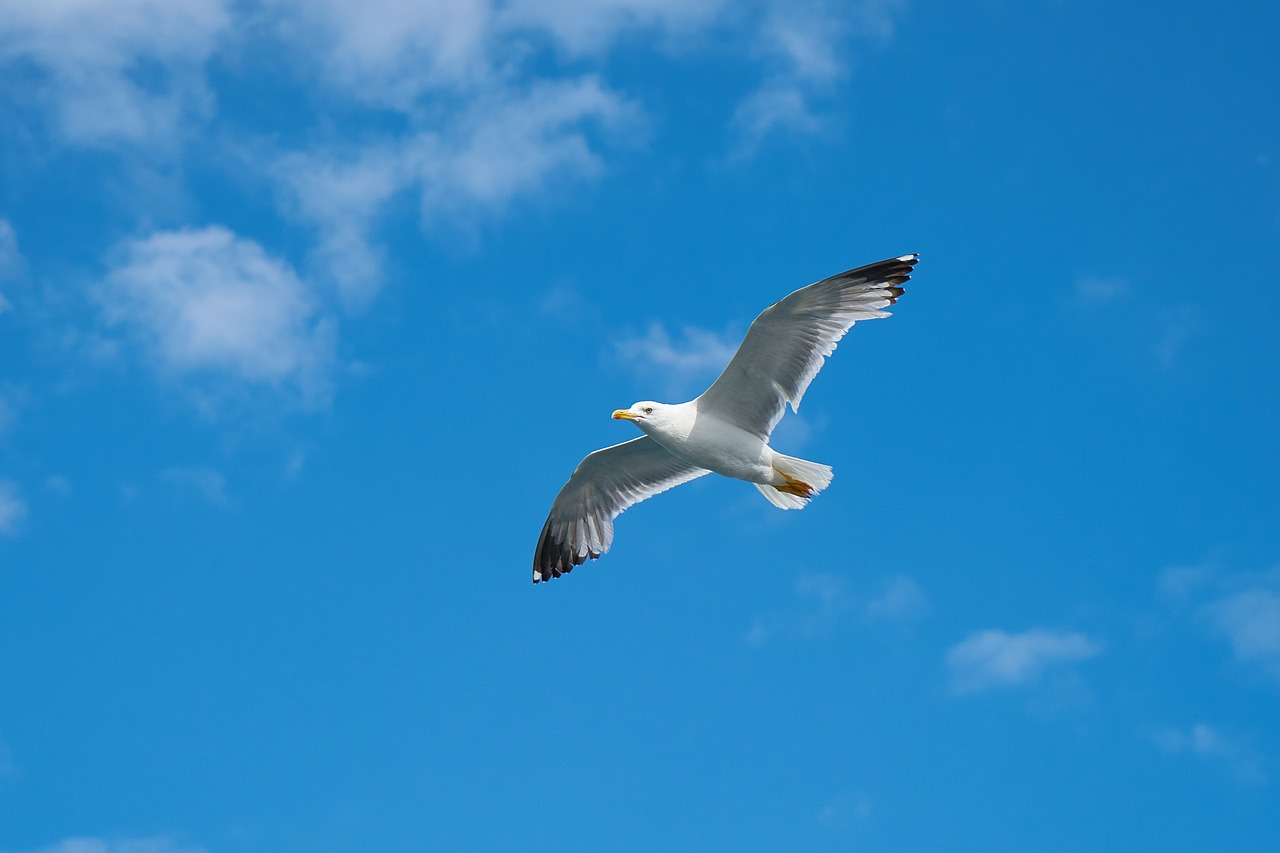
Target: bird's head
645	413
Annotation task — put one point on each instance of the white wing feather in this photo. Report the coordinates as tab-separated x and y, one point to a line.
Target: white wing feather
580	525
787	344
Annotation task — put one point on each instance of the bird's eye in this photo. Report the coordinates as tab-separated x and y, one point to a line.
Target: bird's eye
648	410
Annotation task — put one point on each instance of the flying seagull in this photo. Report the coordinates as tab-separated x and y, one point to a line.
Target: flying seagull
726	430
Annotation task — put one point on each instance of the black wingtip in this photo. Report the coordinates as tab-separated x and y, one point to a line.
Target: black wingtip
552	559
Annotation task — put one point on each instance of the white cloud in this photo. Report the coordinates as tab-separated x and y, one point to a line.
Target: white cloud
207	304
160	844
505	144
511	142
1250	620
994	658
803	46
589	26
825	600
10	257
683	364
342	193
1206	742
1176	326
901	597
1099	290
391	52
1241	607
12	508
114	70
848	807
1179	583
10	260
774	106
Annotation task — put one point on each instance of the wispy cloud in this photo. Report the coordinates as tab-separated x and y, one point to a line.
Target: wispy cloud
1250	620
994	658
12	508
1094	290
1176	326
901	597
10	259
822	601
503	145
684	363
204	305
1206	742
114	71
158	844
1242	608
849	807
803	47
800	45
591	27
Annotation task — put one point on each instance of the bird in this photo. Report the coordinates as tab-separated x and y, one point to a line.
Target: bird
725	430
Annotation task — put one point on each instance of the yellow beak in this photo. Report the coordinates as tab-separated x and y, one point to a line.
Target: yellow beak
623	415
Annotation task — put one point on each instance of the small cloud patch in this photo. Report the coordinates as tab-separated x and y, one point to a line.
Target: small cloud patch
12	508
1211	744
1242	608
689	360
120	845
1100	290
824	601
993	658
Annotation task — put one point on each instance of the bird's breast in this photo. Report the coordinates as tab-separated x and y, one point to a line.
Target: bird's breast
721	447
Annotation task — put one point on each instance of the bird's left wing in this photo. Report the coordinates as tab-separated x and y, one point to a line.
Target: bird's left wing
580	524
785	346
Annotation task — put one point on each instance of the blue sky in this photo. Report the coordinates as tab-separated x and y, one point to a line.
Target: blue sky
308	309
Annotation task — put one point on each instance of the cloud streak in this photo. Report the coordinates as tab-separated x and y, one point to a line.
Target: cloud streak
1242	608
1211	744
684	363
824	601
85	844
993	658
12	508
1250	621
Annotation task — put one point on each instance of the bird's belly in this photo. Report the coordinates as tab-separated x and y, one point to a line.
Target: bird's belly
724	449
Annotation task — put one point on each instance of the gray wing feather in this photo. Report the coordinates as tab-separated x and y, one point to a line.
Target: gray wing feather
580	524
787	344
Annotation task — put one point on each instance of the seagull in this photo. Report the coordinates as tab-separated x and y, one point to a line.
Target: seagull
727	429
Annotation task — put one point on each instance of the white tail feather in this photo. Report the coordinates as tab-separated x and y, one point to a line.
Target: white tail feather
781	500
813	474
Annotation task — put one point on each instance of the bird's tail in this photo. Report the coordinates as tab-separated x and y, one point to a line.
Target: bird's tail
801	480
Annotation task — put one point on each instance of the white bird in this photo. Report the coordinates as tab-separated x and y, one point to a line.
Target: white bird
726	430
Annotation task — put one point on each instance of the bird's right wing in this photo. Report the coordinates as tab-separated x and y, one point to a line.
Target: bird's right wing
786	345
580	525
